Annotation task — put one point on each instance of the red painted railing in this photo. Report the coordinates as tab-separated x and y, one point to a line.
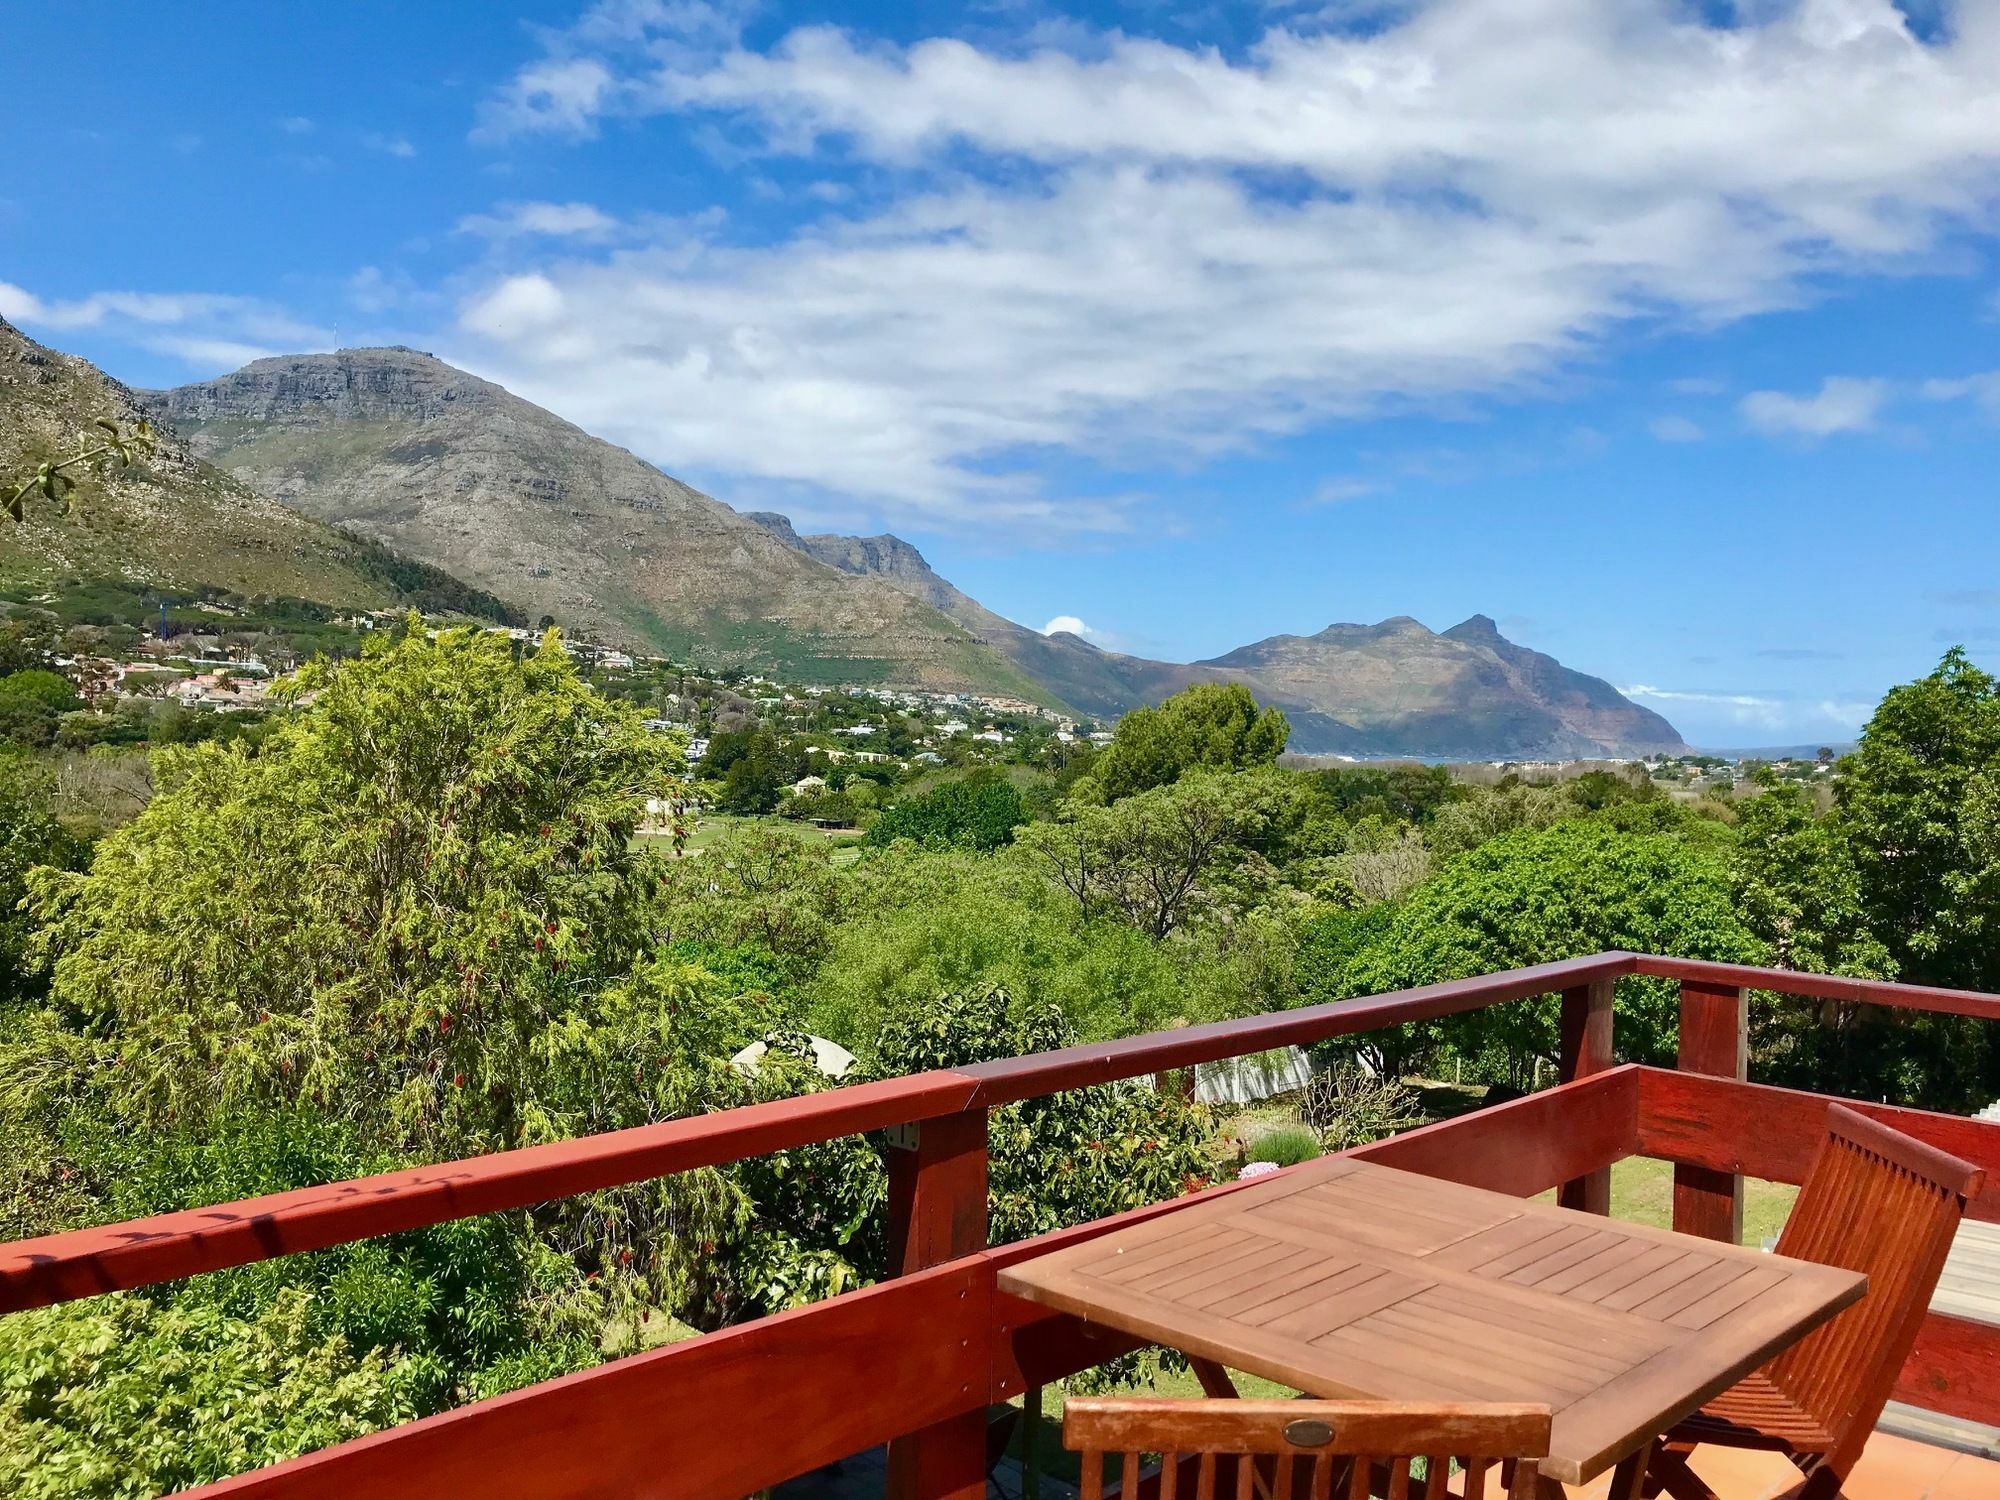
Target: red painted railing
916	1360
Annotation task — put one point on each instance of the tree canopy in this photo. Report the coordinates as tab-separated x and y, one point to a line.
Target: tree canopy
1213	725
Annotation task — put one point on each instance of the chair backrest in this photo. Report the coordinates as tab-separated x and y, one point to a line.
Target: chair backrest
1878	1202
1321	1450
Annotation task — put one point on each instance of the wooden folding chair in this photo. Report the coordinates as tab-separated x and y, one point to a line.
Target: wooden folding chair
1875	1201
1305	1450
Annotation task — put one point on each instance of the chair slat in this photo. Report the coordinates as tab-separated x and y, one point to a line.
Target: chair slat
1294	1450
1877	1202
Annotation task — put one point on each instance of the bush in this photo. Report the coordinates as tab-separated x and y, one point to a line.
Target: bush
40	685
120	1396
1285	1145
1348	1106
980	812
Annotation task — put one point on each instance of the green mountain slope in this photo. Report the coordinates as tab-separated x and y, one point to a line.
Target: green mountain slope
173	521
1393	689
458	471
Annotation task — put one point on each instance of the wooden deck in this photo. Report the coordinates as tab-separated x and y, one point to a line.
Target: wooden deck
1969	1288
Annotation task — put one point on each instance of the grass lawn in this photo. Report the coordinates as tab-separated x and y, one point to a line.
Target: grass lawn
846	842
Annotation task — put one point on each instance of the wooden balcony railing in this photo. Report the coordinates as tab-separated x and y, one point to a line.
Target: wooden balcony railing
916	1360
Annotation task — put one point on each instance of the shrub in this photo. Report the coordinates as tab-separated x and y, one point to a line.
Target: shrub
120	1396
1285	1145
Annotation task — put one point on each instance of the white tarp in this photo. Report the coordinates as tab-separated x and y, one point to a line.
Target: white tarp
1246	1080
832	1058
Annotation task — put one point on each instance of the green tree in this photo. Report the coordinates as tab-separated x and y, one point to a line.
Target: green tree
928	922
1577	888
980	812
1799	888
1212	725
40	685
756	884
1917	801
119	1396
30	835
1157	858
1066	1158
401	910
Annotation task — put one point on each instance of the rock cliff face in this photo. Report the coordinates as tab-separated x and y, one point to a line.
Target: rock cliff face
1468	693
457	471
173	521
1393	689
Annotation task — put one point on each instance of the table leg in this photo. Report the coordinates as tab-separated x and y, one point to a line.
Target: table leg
1215	1381
1628	1481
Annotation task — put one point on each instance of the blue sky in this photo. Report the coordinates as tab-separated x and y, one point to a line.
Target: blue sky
1664	333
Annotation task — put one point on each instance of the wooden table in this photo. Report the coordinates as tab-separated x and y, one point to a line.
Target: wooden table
1345	1279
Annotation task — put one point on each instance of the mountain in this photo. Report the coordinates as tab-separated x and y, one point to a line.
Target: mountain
462	474
453	469
1393	689
1468	693
171	521
1090	680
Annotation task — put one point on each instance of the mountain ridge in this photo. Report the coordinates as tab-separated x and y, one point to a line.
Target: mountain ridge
1481	691
458	471
455	469
171	520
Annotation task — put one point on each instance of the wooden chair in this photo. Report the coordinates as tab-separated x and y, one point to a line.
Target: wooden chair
1875	1201
1305	1450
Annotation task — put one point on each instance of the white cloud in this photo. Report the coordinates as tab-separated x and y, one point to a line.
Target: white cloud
1066	625
1841	404
296	125
557	220
1081	248
1675	429
1983	389
204	328
389	145
560	94
1762	711
1340	490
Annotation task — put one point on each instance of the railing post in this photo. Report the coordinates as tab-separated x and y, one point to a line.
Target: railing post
937	1212
1715	1039
1586	1049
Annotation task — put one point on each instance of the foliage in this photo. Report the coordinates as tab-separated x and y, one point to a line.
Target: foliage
1067	1158
39	685
1487	812
1576	888
1383	861
753	767
120	1397
118	448
927	922
1404	794
452	1303
1920	803
1211	725
1799	888
30	835
399	910
980	812
1285	1145
756	884
1152	859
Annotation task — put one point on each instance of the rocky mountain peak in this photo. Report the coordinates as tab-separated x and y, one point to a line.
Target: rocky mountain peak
1479	630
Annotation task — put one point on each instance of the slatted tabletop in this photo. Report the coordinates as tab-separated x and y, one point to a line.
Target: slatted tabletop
1346	1279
